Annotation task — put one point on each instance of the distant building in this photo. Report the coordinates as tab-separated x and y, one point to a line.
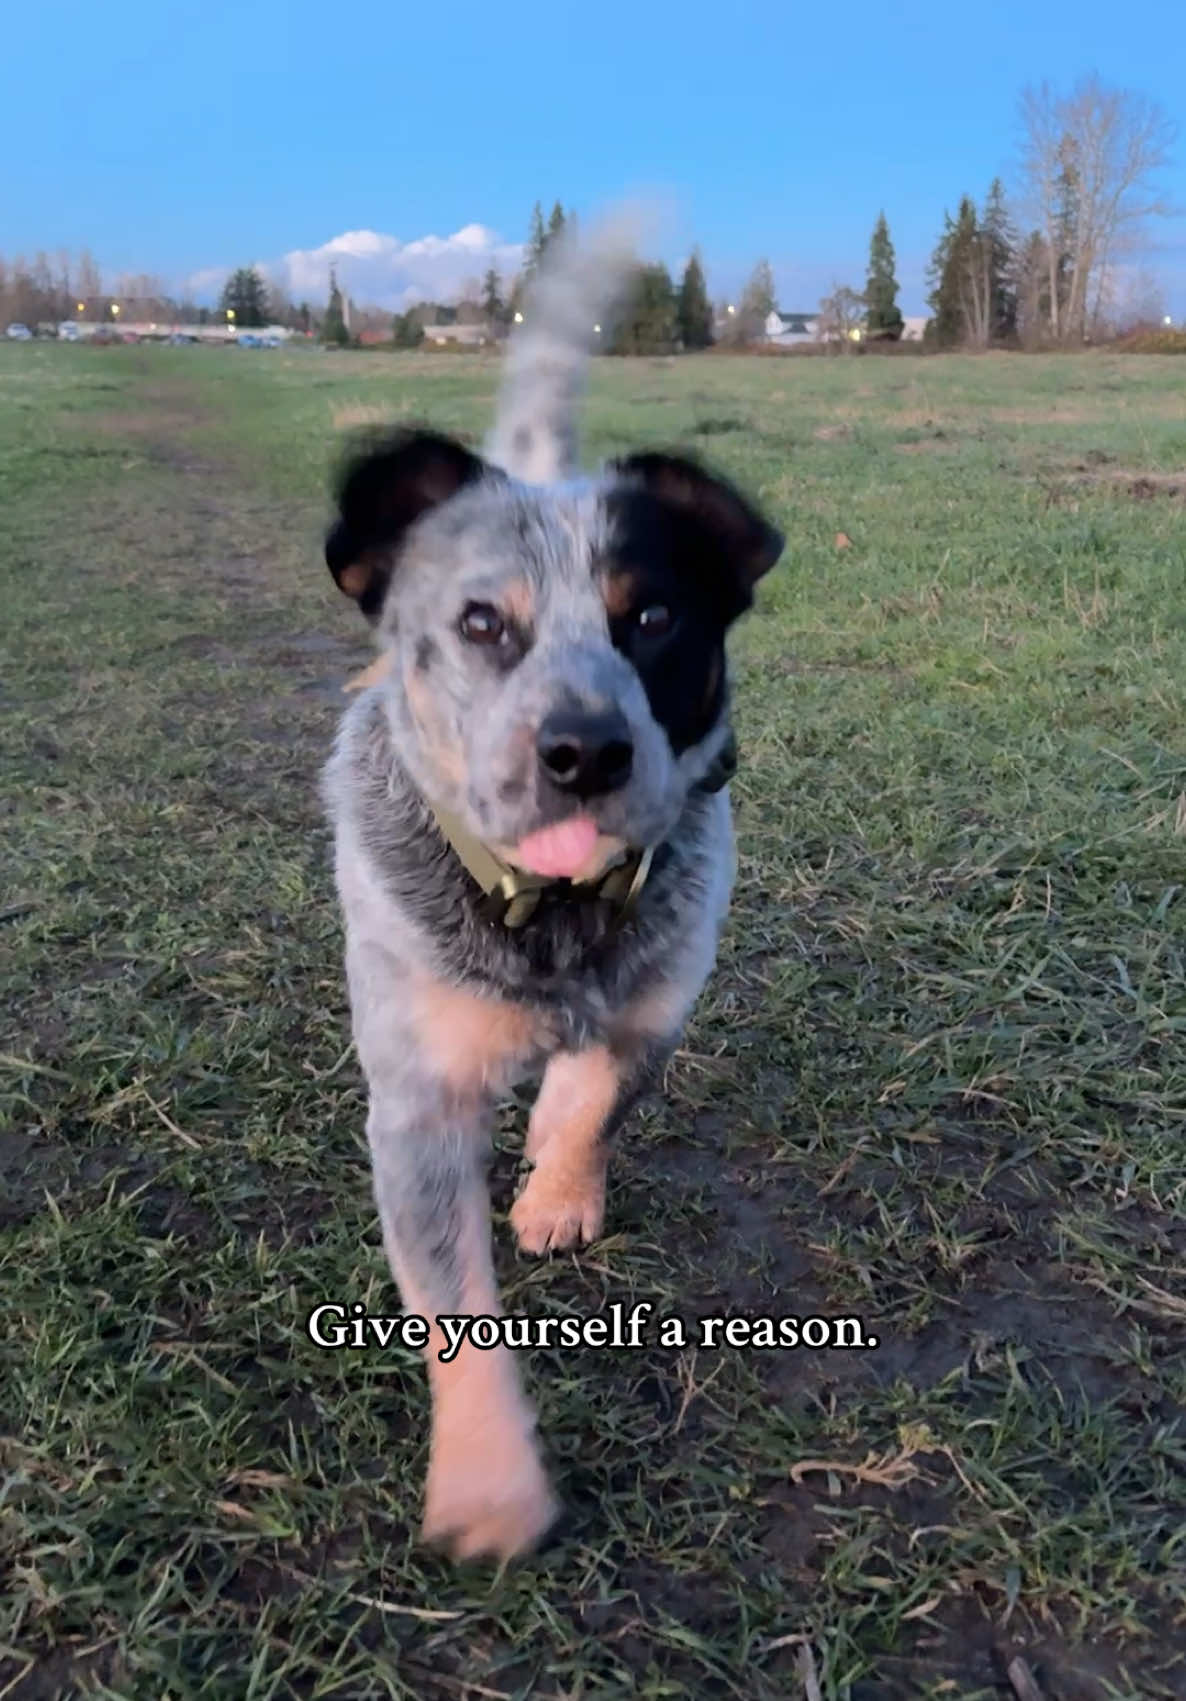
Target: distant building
466	336
787	329
163	330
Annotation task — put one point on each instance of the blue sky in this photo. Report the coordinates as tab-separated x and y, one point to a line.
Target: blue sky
182	140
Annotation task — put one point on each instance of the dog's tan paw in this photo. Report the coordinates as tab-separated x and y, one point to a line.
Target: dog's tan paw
488	1499
551	1215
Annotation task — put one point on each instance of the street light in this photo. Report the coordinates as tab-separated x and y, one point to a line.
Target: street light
730	308
518	318
81	305
115	309
1168	320
597	330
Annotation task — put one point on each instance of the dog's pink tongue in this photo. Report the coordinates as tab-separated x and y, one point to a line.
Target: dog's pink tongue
560	851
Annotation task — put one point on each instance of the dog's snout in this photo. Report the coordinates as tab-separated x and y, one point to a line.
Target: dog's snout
586	754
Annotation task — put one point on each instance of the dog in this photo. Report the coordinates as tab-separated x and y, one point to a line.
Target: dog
533	844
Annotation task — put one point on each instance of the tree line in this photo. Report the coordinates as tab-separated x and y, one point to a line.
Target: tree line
1043	270
46	288
1090	163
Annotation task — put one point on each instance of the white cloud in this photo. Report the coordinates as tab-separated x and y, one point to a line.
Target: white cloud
380	270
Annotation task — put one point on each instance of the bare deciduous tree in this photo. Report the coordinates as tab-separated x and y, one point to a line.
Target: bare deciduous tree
469	303
1091	161
841	314
1135	299
88	280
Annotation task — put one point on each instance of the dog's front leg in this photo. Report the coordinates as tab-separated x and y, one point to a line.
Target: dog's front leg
487	1490
585	1096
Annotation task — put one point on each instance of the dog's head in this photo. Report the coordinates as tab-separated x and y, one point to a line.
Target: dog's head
559	668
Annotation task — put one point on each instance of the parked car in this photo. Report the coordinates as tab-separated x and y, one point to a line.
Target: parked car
19	333
68	331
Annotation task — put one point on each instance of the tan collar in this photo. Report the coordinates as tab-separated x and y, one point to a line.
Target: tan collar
513	894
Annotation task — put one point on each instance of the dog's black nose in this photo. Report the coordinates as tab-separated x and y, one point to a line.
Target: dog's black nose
586	754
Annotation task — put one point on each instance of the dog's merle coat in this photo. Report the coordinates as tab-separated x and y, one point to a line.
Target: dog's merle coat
501	601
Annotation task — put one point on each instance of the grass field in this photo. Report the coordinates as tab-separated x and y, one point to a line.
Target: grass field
939	1079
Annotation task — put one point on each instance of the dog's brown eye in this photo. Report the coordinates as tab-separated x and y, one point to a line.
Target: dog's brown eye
655	620
482	624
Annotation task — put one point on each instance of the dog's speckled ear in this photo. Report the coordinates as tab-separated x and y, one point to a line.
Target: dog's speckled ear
716	508
384	489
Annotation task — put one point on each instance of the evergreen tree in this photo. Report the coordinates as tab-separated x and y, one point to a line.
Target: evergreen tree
1001	240
537	241
649	322
407	330
245	295
951	267
693	310
757	303
883	318
493	307
556	221
333	329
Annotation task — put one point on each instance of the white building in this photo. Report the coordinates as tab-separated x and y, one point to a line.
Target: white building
787	329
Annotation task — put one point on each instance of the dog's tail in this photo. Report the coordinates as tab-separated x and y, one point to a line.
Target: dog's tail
565	317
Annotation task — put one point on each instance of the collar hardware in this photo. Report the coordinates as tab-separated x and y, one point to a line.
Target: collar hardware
511	896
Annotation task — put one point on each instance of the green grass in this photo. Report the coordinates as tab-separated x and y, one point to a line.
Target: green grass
939	1078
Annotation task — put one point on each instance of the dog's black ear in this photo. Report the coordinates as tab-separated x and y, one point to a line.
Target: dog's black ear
385	487
713	506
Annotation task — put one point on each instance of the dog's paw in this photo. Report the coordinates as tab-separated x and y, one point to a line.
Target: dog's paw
491	1498
552	1214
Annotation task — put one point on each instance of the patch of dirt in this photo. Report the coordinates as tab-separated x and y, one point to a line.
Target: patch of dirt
1092	474
832	433
353	416
1155	484
1059	1670
925	448
142	422
783	666
32	1167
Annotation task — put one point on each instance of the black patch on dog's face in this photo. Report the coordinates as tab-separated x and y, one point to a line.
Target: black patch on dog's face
426	653
392	479
691	545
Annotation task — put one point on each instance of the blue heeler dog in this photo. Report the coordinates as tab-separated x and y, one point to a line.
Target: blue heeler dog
534	849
